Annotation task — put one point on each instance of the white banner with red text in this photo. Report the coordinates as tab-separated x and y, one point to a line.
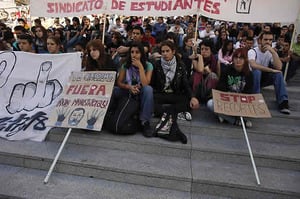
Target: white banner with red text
229	10
30	85
85	101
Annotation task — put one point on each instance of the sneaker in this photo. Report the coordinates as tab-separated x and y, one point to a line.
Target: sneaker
146	129
247	123
188	116
180	116
221	120
284	107
184	116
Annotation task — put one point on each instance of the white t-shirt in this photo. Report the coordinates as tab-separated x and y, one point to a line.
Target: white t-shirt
264	59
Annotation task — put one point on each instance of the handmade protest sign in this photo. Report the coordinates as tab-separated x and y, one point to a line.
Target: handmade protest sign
239	104
85	101
30	85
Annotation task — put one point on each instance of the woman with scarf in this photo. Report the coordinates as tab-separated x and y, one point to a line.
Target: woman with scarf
134	79
172	91
206	72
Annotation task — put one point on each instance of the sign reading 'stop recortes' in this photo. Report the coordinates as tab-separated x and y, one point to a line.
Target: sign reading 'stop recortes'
238	104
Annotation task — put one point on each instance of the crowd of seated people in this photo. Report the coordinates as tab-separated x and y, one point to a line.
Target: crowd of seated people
181	62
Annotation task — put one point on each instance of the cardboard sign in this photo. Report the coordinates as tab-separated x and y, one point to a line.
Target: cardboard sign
239	104
85	101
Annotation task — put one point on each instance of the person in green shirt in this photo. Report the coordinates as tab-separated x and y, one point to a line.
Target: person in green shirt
296	47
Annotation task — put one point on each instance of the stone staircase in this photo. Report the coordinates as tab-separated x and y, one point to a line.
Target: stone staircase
214	164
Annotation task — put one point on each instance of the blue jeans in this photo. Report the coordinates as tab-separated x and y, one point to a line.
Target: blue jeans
265	79
146	100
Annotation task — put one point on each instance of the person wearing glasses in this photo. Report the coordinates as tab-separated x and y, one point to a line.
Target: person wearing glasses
236	78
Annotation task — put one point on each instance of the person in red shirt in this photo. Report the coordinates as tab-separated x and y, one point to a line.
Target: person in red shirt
148	38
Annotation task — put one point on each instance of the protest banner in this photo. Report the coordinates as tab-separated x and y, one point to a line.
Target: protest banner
85	101
239	104
242	105
30	85
83	105
250	11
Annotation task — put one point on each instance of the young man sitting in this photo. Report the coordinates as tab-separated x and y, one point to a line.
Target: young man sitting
266	67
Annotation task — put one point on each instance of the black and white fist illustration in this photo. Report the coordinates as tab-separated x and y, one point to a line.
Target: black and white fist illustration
37	94
7	64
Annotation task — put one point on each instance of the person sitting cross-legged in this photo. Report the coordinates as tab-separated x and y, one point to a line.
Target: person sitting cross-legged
236	78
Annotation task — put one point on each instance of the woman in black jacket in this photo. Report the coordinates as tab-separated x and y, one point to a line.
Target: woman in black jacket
172	91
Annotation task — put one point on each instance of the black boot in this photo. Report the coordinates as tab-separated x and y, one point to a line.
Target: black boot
175	133
146	129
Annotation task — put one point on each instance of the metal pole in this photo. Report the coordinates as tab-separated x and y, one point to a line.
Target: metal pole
195	39
291	46
104	27
250	151
197	23
57	156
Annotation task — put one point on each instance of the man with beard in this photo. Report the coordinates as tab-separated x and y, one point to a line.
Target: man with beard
266	67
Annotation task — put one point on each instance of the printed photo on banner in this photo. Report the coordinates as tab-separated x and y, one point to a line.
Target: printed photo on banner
85	101
30	86
238	104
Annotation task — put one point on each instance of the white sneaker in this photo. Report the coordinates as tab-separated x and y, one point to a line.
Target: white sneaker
186	116
221	120
248	123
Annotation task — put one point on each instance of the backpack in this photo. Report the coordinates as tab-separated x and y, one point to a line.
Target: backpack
123	118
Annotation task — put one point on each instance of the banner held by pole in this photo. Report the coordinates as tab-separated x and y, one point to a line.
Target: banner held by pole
57	156
250	151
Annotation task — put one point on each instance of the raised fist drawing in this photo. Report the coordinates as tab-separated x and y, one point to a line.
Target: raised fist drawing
7	64
37	94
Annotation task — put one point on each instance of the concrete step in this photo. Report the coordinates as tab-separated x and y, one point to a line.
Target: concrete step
279	128
293	92
96	162
28	183
223	148
181	174
238	181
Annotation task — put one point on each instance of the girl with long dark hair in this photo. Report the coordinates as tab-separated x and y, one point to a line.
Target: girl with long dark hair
134	79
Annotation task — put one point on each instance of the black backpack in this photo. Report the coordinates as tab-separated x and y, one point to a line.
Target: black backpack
123	116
